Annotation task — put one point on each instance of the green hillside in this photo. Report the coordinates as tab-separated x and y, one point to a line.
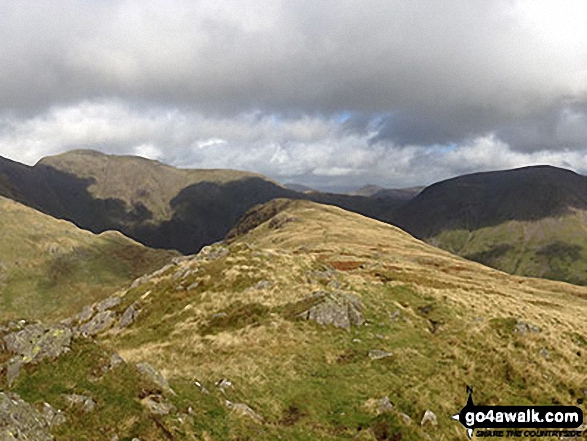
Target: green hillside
314	323
49	268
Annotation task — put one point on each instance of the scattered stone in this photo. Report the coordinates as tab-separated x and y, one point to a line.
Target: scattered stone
544	352
385	405
356	340
377	354
99	323
21	421
86	403
53	416
395	316
223	384
429	418
219	315
108	303
379	336
339	309
243	409
201	386
334	284
151	373
115	361
129	315
523	328
263	284
405	418
13	369
193	286
157	405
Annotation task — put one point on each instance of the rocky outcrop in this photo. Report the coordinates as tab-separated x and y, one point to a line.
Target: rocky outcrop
100	322
20	421
33	343
339	309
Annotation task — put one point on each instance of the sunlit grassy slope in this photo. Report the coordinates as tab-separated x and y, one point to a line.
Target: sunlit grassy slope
49	268
446	321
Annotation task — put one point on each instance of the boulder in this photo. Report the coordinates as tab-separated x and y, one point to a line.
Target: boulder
36	342
244	410
152	374
429	418
99	323
339	309
157	405
54	417
21	421
129	315
377	354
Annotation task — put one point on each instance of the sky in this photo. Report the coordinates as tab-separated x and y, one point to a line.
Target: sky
334	94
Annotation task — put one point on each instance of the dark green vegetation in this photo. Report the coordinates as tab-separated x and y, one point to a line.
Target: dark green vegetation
51	268
529	221
155	204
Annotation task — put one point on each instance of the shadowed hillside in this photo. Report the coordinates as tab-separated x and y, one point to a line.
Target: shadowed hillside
529	221
155	204
310	323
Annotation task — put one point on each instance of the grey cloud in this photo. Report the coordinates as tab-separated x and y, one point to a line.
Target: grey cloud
445	70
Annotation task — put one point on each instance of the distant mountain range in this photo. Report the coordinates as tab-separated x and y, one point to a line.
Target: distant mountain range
153	203
527	221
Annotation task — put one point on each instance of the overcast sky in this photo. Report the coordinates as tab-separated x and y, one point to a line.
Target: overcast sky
330	93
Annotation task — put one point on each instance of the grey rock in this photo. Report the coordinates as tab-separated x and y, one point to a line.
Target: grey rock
193	286
129	315
115	361
385	405
243	409
99	323
138	282
36	342
342	310
429	418
160	271
13	369
212	252
87	404
405	418
21	421
157	405
523	328
54	417
377	354
108	303
152	374
263	284
545	353
86	314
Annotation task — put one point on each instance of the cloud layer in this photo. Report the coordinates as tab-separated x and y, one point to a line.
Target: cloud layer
330	93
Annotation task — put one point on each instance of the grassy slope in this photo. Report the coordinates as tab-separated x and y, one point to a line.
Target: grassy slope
313	382
50	268
554	248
